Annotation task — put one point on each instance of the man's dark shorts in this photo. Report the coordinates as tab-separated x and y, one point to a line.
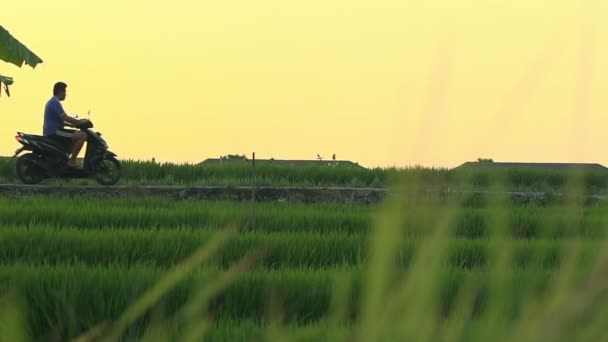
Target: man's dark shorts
63	137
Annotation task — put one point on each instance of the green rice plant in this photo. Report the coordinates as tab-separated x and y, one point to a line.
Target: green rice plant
7	167
528	221
98	294
516	179
91	213
164	248
418	267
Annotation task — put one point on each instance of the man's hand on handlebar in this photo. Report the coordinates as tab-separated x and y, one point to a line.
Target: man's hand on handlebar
85	123
77	123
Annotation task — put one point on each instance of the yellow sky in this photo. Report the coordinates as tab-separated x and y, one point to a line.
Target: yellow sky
382	82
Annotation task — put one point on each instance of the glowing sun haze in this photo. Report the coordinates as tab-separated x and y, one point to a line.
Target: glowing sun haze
382	82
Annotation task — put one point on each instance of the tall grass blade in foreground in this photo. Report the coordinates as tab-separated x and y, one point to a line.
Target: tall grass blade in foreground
169	281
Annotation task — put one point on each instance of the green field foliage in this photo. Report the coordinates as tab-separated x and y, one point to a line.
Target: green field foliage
240	174
418	268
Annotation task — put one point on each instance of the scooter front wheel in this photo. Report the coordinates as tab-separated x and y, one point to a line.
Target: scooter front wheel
27	170
108	171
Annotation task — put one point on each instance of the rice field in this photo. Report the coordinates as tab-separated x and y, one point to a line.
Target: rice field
153	173
412	268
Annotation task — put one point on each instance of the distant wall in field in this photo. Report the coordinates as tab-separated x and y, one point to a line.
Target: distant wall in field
282	162
532	166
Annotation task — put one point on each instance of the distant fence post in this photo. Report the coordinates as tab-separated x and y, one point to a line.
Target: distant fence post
253	223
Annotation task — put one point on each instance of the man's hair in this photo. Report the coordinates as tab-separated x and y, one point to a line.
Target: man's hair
59	87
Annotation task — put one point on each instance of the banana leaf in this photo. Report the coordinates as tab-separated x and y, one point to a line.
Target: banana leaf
14	52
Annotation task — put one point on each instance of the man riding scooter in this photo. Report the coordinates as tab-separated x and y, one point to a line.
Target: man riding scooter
49	156
54	124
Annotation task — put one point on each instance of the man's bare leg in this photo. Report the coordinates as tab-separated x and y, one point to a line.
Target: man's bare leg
78	141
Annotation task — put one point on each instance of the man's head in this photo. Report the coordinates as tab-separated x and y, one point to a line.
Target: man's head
59	90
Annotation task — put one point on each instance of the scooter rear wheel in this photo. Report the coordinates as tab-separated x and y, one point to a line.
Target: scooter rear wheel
27	170
108	171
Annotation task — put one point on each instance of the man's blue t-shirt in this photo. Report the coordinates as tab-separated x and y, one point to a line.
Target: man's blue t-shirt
52	117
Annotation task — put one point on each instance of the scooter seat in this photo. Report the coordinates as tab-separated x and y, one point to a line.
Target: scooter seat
45	139
34	136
